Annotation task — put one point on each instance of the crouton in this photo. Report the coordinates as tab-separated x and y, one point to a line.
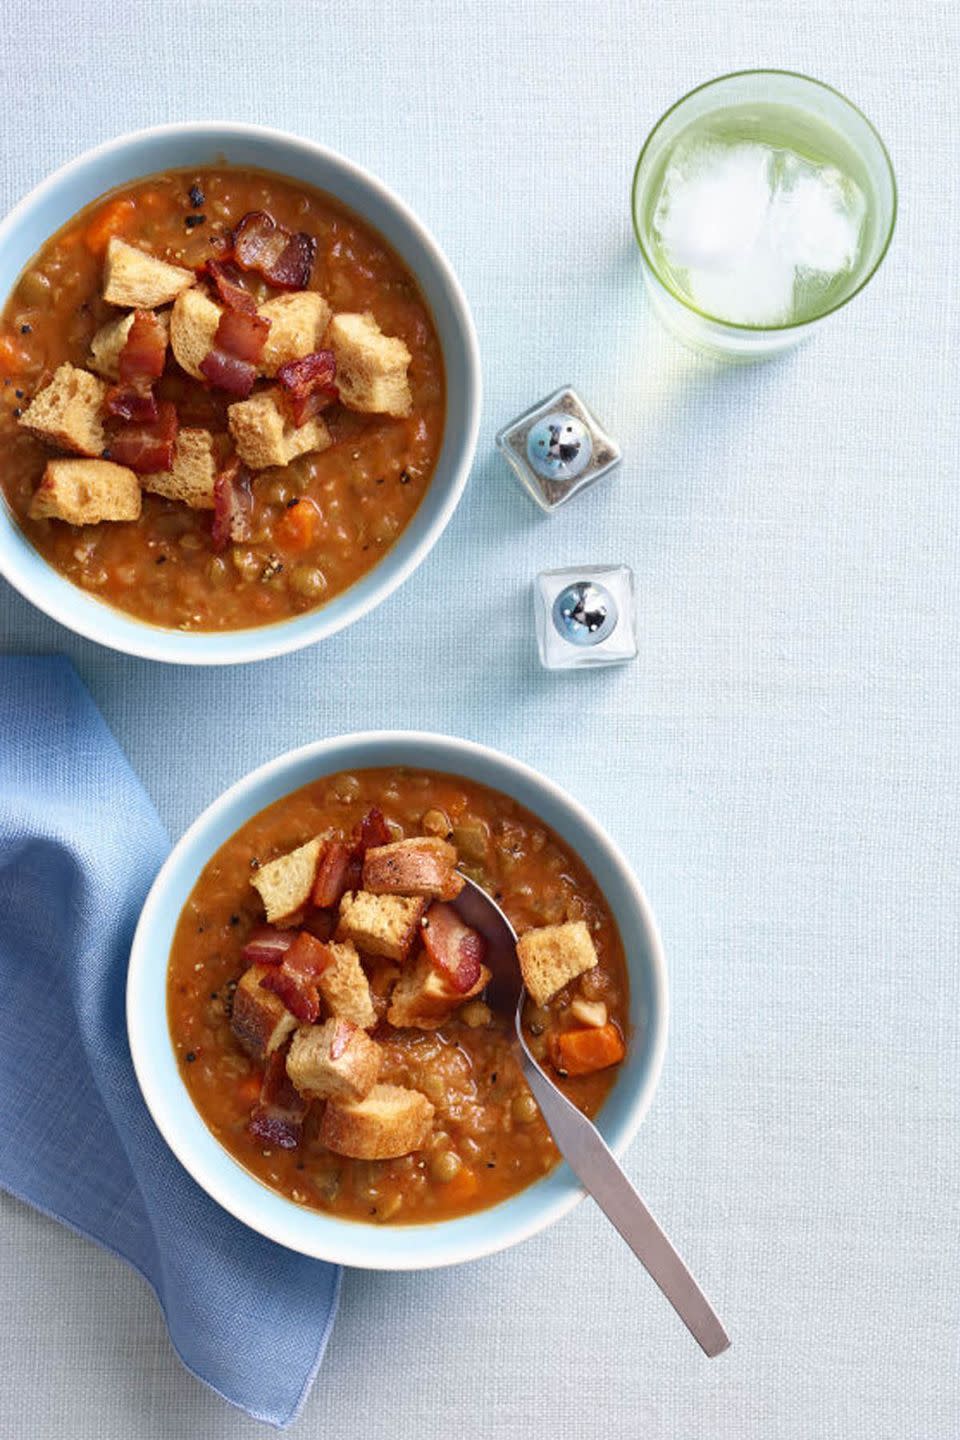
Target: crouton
285	884
371	366
193	327
84	492
259	1019
265	435
389	1122
66	413
345	989
139	281
333	1061
297	325
106	345
420	866
552	955
380	924
193	473
422	999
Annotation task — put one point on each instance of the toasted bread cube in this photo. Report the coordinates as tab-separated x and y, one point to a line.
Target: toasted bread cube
259	1019
333	1061
193	327
345	989
66	413
423	865
422	999
139	281
297	325
380	924
106	345
553	955
285	884
84	492
265	435
371	366
194	471
389	1122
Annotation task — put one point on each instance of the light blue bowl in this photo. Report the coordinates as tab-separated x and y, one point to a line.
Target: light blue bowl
167	147
405	1247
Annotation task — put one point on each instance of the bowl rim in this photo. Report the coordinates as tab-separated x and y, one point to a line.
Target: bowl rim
172	646
164	1106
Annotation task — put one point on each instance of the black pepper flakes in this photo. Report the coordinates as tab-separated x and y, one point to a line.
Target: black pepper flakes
192	221
294	500
190	1057
19	394
234	919
404	477
491	1164
105	455
254	863
17	412
380	479
196	196
26	329
161	560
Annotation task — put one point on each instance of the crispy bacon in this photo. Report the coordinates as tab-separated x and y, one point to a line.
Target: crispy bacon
371	831
283	259
228	372
454	949
232	505
146	446
332	874
231	292
267	946
242	335
278	1116
309	384
295	979
144	351
129	402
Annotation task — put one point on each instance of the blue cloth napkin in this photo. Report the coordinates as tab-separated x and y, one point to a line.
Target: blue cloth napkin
80	844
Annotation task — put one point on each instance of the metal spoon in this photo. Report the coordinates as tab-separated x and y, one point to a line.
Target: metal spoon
579	1140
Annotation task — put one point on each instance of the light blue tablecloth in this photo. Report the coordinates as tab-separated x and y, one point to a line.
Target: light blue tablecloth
781	764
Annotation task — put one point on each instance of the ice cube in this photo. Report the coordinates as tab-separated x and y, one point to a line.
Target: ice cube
713	204
748	229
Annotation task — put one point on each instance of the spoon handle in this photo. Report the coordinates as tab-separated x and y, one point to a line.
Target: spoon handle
598	1170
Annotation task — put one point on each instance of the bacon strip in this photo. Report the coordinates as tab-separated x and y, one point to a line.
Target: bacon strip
333	874
242	335
127	402
144	351
148	446
267	946
295	979
139	364
228	372
454	949
309	384
277	1118
283	259
232	505
231	293
371	831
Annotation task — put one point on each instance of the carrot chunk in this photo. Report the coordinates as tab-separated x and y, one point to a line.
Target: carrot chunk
580	1052
11	356
462	1187
297	527
112	219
